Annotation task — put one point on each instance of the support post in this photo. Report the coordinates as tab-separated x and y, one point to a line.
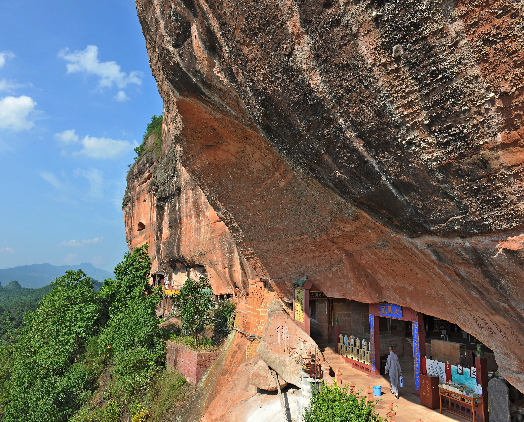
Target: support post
307	312
481	364
374	344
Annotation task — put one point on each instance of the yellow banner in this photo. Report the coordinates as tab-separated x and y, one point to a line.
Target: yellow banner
299	305
170	292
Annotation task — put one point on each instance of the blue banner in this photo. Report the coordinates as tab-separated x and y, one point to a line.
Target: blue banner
372	341
416	355
389	310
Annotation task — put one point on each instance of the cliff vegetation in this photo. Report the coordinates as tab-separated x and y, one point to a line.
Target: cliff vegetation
85	356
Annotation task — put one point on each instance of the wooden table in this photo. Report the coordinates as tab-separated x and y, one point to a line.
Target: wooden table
456	401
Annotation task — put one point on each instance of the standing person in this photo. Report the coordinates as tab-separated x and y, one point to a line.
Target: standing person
393	366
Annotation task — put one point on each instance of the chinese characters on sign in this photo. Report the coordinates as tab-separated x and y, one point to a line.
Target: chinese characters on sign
299	305
317	295
473	372
372	341
416	354
388	310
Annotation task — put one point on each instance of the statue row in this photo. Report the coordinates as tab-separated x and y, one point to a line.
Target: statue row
354	348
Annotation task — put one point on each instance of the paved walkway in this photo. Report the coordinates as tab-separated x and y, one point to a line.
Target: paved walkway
407	407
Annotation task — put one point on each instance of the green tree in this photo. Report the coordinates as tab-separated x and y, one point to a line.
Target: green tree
47	383
194	303
131	337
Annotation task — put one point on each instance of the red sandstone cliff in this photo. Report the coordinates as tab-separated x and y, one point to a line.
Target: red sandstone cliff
164	207
375	146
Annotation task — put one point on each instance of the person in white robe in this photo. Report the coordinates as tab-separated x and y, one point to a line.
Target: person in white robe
393	367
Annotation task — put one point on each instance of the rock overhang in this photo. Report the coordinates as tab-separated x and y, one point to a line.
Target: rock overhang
383	173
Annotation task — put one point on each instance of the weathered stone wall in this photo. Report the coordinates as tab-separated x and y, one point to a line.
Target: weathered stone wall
375	146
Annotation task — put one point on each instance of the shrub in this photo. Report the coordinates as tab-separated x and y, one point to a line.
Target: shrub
223	319
153	128
194	304
335	404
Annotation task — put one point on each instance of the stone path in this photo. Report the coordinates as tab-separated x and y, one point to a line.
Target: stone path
407	407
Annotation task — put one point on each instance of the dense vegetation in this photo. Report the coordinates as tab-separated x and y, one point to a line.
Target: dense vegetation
153	128
85	356
335	404
15	301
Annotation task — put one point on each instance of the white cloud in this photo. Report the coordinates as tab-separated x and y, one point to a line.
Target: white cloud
67	137
4	55
74	243
7	250
105	148
53	180
95	179
94	240
11	86
17	113
109	72
121	96
70	258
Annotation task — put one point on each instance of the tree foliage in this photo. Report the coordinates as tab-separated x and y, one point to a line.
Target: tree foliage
335	404
131	336
52	368
46	381
15	302
194	303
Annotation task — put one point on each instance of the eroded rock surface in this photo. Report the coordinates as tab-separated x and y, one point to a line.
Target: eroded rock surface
375	146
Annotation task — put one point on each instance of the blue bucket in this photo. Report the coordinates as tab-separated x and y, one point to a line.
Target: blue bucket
377	390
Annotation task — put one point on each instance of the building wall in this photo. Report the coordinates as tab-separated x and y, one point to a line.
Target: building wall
190	363
353	318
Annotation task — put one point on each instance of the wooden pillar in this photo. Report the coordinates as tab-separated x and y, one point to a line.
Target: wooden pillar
421	335
481	364
307	313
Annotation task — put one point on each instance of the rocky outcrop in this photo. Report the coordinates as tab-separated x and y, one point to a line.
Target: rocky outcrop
375	146
165	208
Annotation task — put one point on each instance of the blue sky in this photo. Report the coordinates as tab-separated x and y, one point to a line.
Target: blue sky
76	94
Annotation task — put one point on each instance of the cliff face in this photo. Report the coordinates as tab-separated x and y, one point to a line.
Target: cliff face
375	146
164	207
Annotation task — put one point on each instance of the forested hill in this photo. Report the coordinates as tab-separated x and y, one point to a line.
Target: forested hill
16	300
40	275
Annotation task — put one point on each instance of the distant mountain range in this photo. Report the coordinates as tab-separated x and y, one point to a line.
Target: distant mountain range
40	275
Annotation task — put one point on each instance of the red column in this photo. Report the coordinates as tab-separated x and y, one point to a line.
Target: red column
448	372
421	336
481	365
377	344
307	313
